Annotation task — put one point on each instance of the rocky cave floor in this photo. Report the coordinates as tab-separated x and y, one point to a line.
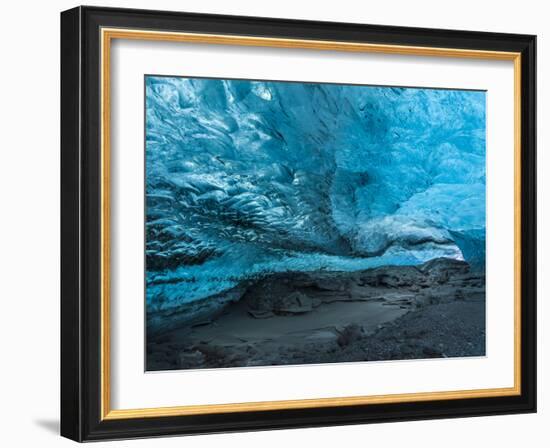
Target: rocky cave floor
436	310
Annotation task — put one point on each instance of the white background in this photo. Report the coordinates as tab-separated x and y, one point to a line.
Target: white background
132	388
29	178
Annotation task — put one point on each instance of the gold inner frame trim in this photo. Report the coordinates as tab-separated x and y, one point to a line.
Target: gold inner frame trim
107	35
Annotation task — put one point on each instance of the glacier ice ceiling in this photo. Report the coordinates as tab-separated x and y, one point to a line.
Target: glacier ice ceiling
247	177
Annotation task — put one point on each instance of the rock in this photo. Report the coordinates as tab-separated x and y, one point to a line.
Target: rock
441	270
331	284
431	352
261	314
349	334
421	300
191	359
276	297
391	276
295	303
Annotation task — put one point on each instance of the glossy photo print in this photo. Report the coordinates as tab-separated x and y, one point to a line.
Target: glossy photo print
294	223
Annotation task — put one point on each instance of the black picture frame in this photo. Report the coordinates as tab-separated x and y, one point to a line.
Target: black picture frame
81	415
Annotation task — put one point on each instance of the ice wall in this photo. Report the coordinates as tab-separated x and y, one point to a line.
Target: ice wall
245	177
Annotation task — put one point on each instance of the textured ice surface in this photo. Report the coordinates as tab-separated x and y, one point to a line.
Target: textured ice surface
246	177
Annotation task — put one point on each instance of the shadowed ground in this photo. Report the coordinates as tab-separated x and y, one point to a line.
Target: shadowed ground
394	312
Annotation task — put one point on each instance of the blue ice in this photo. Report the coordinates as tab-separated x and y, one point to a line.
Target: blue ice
245	178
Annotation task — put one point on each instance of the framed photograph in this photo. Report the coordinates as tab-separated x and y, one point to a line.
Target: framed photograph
274	223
